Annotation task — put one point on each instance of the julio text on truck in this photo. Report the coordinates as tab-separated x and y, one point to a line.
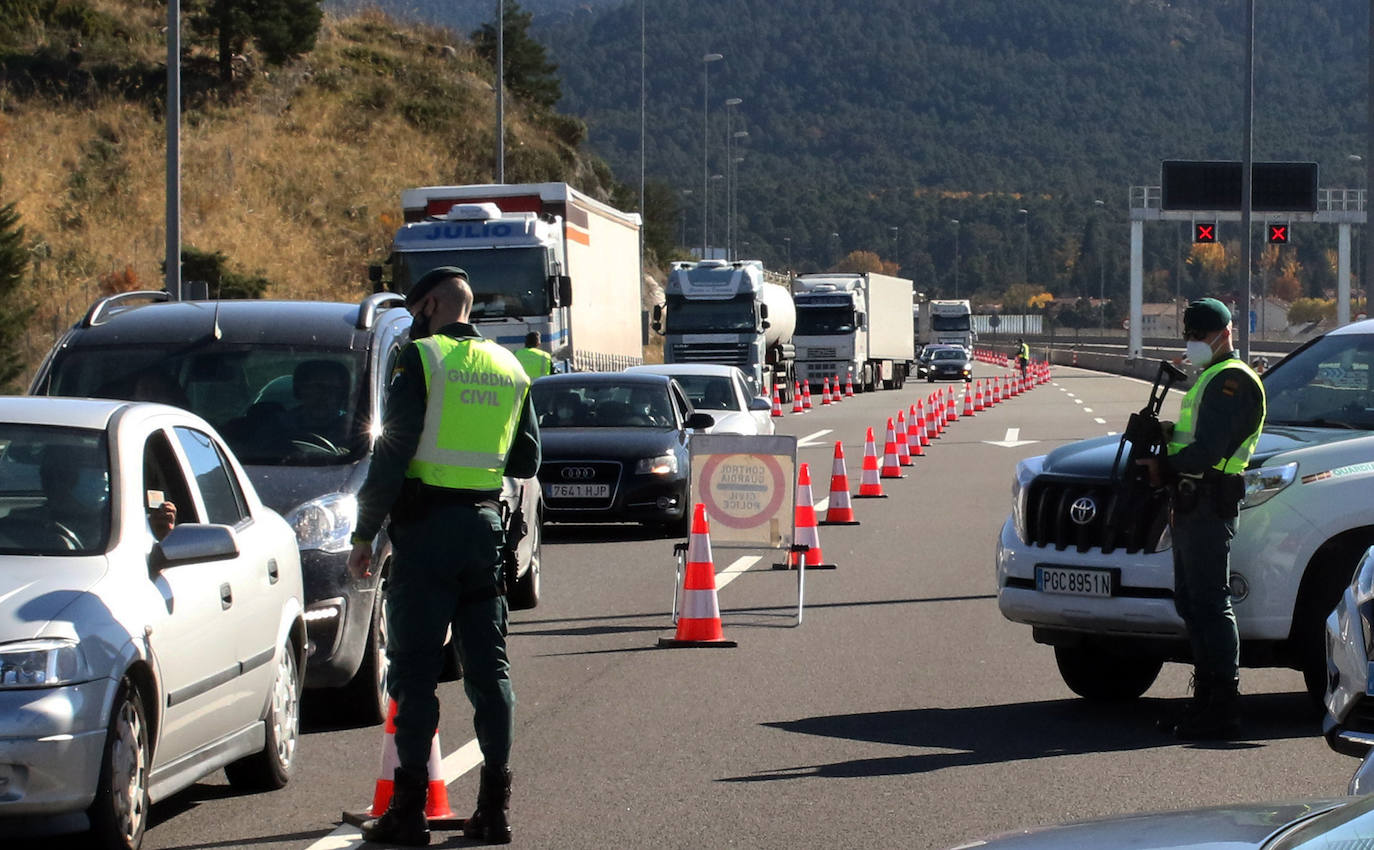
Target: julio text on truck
526	249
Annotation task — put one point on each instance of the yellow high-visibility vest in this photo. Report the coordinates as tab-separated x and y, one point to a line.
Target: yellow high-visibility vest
536	361
476	392
1187	415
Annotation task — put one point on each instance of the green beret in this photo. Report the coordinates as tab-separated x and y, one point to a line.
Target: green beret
1206	315
430	279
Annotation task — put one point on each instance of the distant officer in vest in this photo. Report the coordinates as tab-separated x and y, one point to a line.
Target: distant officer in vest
1022	355
457	418
536	360
1218	426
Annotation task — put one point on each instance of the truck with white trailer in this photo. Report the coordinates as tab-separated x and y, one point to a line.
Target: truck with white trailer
858	327
947	323
527	249
734	313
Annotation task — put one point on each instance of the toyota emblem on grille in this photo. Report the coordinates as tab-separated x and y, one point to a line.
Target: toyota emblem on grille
1083	510
578	473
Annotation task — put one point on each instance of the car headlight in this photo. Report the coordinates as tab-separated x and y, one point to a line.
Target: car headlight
1026	471
1362	583
325	523
661	465
1264	483
42	663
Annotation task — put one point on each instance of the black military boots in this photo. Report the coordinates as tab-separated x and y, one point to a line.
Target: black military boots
491	821
404	821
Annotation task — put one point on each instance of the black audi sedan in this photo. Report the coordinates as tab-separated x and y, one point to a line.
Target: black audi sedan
615	447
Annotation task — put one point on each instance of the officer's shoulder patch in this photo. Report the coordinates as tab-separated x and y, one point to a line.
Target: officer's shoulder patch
1229	386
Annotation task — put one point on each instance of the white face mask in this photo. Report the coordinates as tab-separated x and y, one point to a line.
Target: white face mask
1198	352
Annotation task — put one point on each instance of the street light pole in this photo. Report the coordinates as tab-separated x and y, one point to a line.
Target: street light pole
1025	242
787	240
734	194
1101	274
730	104
705	143
955	222
895	234
500	91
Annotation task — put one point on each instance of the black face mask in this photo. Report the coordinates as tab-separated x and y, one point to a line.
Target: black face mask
419	327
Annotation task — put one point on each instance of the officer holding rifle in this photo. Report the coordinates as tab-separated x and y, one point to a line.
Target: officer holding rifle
1218	427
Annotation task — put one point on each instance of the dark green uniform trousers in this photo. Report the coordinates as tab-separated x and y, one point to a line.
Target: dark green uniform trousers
446	564
1202	590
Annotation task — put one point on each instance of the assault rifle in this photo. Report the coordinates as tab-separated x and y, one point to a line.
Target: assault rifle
1146	438
515	527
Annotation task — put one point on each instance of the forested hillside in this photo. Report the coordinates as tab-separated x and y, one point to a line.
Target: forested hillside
862	117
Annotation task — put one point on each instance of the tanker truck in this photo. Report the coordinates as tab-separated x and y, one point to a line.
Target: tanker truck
732	313
857	327
527	248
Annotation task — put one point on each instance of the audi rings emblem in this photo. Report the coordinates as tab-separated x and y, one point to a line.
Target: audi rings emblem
578	473
1083	510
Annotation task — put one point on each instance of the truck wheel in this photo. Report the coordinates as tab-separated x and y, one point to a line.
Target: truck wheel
1096	674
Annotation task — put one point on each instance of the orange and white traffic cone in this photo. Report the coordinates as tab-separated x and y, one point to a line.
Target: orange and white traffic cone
839	511
931	431
825	392
797	406
807	534
698	622
777	402
913	433
806	393
903	448
968	399
892	468
437	809
996	390
838	396
848	385
922	435
870	485
951	410
978	406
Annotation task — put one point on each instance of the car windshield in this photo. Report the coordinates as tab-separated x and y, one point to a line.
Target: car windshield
54	490
949	323
708	392
506	282
948	354
1344	827
824	321
567	404
274	404
710	316
1326	384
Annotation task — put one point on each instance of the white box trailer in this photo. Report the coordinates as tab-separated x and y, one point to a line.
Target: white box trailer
858	327
577	280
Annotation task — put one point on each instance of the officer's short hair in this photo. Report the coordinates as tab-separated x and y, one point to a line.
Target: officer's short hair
532	339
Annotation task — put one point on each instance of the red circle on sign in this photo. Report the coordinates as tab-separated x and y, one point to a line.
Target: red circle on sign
770	463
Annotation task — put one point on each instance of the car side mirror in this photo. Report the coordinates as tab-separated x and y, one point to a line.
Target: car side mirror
758	402
700	421
763	312
657	323
194	542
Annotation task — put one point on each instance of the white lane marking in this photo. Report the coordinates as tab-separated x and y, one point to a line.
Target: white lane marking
1100	421
1071	395
1012	440
1087	410
1078	401
1111	433
822	504
469	756
805	442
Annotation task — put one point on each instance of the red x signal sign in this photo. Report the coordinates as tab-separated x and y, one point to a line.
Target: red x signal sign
1205	232
1278	234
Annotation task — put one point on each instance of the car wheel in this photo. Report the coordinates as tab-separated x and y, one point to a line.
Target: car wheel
272	766
365	697
525	594
1096	674
119	813
1328	575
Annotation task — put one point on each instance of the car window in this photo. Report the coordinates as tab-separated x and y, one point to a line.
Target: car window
223	498
164	481
54	490
274	404
708	392
1325	384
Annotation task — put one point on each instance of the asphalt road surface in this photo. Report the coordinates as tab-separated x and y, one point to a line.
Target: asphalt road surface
903	712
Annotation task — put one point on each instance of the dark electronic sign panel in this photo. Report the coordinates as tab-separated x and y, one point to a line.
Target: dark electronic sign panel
1204	232
1275	186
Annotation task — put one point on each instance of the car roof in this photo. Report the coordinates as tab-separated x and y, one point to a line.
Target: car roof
613	378
1364	327
62	412
232	321
685	369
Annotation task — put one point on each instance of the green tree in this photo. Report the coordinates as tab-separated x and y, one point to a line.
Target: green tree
14	263
223	282
281	29
529	73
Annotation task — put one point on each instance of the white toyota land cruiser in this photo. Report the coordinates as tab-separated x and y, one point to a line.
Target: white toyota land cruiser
1103	596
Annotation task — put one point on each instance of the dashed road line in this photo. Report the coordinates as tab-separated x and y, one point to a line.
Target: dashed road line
1100	421
805	442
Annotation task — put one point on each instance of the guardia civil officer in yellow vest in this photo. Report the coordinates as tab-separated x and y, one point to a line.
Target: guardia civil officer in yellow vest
457	418
536	360
1218	426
